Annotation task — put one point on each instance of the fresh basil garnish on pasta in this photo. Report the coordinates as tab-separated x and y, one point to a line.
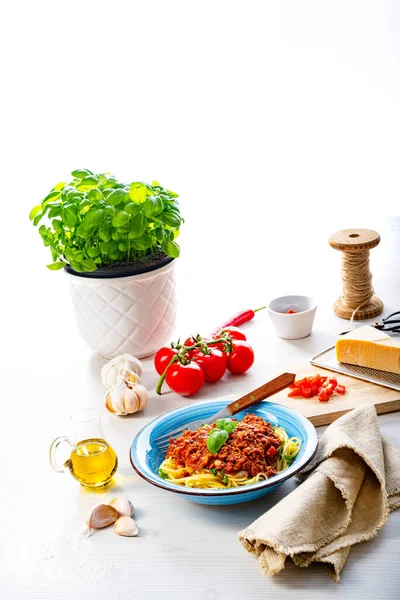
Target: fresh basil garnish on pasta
216	439
162	474
214	472
226	424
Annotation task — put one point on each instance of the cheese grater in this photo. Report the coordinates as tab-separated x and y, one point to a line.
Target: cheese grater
327	360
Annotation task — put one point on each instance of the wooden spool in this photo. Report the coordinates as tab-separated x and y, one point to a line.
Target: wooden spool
356	240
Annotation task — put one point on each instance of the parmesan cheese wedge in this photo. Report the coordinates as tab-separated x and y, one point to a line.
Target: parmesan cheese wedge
369	347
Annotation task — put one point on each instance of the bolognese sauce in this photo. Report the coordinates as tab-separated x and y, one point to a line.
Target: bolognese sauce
251	447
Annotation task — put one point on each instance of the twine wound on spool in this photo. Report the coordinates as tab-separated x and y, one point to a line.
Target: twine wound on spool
358	300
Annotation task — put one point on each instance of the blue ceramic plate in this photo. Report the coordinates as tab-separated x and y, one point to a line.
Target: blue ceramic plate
146	457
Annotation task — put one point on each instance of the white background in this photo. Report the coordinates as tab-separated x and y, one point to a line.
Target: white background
276	122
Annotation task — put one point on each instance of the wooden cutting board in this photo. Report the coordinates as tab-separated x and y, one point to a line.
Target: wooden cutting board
357	392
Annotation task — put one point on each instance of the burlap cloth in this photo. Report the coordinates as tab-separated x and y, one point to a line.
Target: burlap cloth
349	488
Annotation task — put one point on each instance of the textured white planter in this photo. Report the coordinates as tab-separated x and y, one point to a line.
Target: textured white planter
134	314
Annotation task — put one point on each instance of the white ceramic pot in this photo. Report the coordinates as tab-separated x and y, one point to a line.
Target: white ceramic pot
134	314
292	326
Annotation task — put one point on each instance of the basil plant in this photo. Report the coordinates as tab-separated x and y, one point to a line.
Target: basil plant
95	220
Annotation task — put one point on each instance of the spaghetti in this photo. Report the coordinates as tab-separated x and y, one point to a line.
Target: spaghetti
253	452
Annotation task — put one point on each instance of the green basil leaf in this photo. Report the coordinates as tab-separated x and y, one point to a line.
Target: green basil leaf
54	195
105	232
81	173
55	211
123	246
38	217
162	474
108	248
93	218
153	206
143	242
216	439
95	194
171	218
133	208
69	253
226	424
93	252
77	266
116	235
83	232
120	218
109	210
116	197
89	180
138	192
69	216
56	265
56	225
89	264
74	196
138	226
35	211
170	248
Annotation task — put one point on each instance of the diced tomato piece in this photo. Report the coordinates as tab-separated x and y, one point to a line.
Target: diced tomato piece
323	396
332	381
306	392
315	380
295	392
271	451
340	389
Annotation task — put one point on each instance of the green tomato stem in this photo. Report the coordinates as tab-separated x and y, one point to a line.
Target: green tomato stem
161	380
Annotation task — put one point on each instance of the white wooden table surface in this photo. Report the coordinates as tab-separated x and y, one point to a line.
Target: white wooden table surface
183	550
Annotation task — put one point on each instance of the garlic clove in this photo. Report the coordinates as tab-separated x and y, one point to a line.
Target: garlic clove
108	402
142	394
110	375
122	505
125	367
130	377
132	364
126	526
114	400
101	515
131	400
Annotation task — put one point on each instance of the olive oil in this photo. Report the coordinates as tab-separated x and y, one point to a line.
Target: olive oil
92	462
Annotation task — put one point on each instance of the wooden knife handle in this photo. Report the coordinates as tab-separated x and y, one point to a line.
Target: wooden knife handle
265	391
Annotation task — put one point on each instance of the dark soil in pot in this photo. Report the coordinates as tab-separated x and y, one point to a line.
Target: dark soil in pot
123	269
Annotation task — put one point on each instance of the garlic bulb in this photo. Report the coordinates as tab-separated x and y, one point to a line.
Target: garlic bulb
126	399
124	367
126	526
101	515
122	505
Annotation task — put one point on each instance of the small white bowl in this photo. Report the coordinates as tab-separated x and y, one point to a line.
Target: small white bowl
292	326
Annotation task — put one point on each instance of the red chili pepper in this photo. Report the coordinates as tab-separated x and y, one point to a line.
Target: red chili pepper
239	318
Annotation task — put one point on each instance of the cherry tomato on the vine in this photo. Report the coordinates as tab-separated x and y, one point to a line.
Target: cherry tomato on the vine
213	364
163	358
185	379
241	358
234	332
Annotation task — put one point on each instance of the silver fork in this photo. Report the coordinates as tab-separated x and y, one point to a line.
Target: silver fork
265	391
